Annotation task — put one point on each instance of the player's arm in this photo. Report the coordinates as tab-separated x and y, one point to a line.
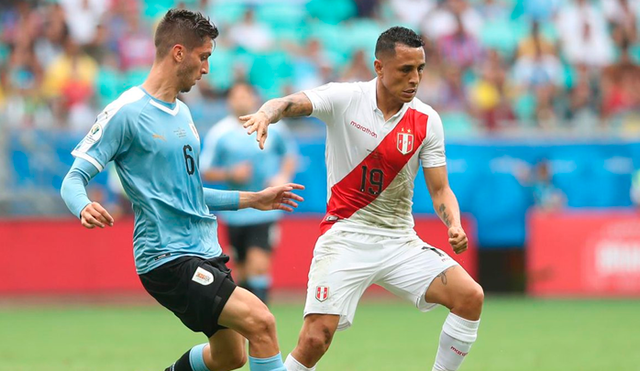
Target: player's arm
446	206
294	105
272	198
74	194
217	200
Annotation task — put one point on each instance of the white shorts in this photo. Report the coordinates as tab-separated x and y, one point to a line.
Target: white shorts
345	264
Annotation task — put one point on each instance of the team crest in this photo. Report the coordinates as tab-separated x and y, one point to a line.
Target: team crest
322	293
405	142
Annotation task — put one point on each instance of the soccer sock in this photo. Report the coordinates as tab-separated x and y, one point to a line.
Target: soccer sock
193	360
455	341
292	364
267	364
259	286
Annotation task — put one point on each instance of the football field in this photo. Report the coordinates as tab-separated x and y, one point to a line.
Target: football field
515	334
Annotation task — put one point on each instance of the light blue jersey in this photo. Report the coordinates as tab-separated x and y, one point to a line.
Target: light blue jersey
156	149
227	145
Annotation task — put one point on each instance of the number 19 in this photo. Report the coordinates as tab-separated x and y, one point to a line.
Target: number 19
375	178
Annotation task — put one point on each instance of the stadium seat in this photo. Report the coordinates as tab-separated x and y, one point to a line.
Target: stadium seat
331	11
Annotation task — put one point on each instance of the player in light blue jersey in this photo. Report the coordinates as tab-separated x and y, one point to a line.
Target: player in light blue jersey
230	156
150	136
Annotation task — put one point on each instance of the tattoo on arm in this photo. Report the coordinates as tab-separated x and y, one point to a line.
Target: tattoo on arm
290	106
444	215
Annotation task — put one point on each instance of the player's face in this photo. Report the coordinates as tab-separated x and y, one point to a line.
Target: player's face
401	73
242	100
194	65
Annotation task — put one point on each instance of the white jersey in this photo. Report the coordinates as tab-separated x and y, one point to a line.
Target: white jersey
372	163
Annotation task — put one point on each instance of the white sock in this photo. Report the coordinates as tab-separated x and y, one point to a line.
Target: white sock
292	364
455	341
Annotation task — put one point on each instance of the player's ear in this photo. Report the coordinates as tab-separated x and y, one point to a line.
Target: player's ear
377	66
178	52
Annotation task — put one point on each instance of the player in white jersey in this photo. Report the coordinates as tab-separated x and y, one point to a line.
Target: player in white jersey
378	136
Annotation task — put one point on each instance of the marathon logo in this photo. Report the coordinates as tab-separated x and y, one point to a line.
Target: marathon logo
462	354
364	129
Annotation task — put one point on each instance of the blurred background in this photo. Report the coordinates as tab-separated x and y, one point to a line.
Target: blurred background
540	101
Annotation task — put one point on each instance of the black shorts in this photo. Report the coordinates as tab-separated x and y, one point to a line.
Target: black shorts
194	289
246	236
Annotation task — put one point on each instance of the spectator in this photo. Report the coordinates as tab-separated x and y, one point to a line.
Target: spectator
251	35
460	47
412	12
135	48
358	68
622	16
311	66
620	83
69	82
82	18
442	20
488	95
583	34
529	45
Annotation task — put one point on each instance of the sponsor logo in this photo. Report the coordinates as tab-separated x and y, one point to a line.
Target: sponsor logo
322	293
95	133
162	256
364	129
331	218
459	352
405	142
203	277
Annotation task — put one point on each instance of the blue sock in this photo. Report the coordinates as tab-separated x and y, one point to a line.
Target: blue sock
259	286
196	359
267	364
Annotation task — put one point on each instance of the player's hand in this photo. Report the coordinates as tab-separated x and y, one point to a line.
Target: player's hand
259	123
278	198
458	240
94	215
241	173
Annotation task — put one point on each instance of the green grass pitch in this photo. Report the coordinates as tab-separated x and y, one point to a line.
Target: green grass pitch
515	334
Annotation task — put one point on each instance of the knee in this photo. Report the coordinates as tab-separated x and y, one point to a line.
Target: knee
260	324
471	299
317	340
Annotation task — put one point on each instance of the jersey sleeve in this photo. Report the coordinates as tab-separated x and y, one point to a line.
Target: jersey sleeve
432	153
106	139
329	101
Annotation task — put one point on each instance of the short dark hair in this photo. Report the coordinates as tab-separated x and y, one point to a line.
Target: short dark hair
182	26
397	35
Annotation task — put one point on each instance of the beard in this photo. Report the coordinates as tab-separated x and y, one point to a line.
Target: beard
185	81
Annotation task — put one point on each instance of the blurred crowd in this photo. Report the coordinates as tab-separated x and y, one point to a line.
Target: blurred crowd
492	65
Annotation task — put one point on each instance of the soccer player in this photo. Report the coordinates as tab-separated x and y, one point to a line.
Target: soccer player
229	156
150	136
378	135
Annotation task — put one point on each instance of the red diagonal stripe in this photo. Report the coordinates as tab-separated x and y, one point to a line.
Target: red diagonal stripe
347	196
